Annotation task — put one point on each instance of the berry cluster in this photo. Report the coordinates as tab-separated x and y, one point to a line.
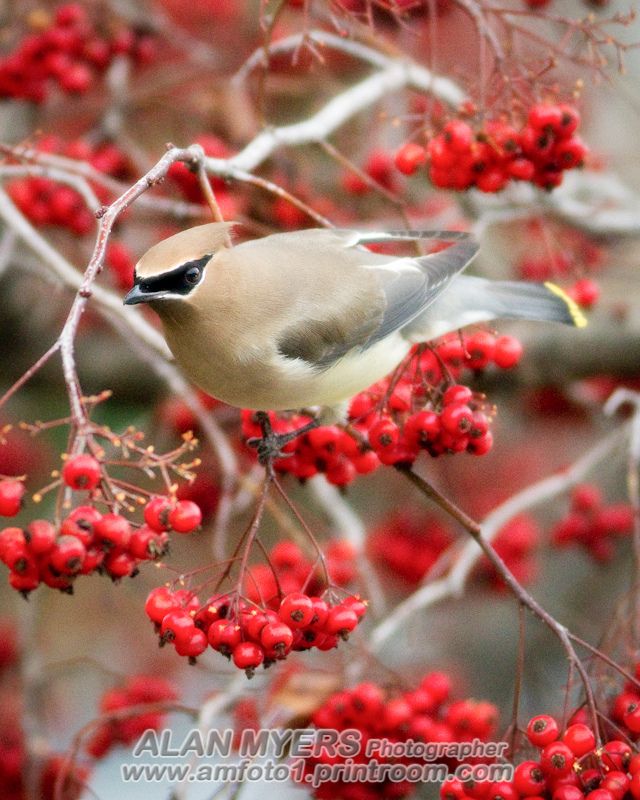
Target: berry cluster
592	524
425	714
516	544
87	540
414	409
137	690
248	634
290	571
68	51
491	157
569	767
408	546
46	202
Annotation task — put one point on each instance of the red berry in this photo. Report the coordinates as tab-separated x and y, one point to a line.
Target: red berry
81	472
286	555
631	717
481	445
119	565
585	292
617	783
507	352
68	555
113	531
40	535
185	517
557	759
586	497
570	153
146	544
193	646
546	117
580	739
384	434
11	494
81	523
276	637
224	635
177	626
341	621
616	755
296	610
156	513
458	135
458	394
542	730
248	656
409	157
481	349
528	778
159	602
570	120
456	419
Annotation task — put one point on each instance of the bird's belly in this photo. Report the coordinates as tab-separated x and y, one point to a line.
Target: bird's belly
282	384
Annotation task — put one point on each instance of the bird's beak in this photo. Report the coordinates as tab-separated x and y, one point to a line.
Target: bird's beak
137	295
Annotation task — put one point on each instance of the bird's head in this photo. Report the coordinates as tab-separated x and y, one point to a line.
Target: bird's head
173	270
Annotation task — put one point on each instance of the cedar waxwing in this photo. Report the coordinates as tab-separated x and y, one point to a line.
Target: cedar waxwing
311	318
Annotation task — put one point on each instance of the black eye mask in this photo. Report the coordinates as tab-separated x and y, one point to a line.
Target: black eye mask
180	280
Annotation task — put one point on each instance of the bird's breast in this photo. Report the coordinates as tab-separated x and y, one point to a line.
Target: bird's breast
254	375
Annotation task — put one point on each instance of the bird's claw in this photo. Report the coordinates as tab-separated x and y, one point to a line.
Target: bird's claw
269	448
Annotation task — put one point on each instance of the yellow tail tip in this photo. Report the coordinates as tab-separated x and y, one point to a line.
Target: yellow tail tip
579	319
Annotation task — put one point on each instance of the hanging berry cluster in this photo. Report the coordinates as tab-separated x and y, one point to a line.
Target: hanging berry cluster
289	570
68	51
136	691
570	766
415	409
407	546
86	542
424	714
46	202
248	634
489	158
95	536
593	525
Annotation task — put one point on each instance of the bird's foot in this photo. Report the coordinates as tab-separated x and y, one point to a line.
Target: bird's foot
269	445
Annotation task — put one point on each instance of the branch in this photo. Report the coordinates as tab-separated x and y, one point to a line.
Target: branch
454	582
396	74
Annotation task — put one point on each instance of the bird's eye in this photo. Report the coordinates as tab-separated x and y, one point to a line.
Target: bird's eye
192	276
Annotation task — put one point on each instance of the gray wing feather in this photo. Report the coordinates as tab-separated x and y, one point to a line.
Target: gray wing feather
409	293
405	288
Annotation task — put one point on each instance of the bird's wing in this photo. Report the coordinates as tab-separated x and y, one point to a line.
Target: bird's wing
382	295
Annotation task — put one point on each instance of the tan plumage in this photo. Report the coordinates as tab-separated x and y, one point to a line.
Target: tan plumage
310	318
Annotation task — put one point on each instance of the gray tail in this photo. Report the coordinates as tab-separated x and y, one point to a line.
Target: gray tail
544	302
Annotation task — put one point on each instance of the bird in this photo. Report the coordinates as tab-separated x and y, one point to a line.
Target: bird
309	318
